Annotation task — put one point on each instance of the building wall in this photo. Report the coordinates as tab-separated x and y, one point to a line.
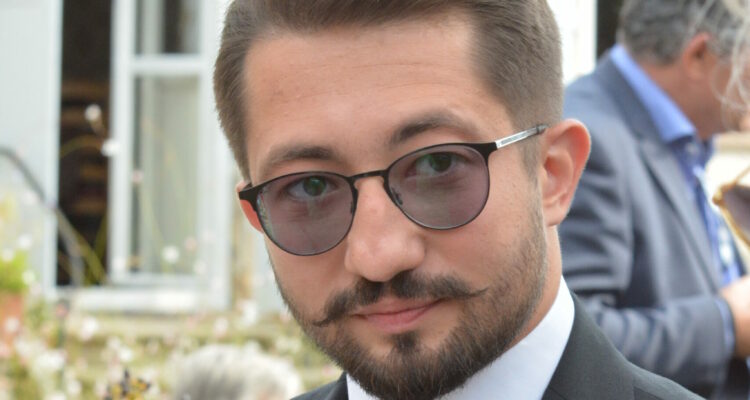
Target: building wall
29	113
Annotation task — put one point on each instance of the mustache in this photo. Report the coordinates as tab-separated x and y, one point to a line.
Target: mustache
405	285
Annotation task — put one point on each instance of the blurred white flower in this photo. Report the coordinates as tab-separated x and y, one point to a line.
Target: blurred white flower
154	390
89	327
35	290
170	254
125	354
73	388
221	327
100	389
150	374
8	255
119	263
114	343
93	113
248	313
12	325
28	349
110	147
55	396
50	361
25	242
28	277
115	373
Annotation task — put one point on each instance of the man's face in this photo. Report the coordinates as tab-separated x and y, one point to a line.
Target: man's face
408	312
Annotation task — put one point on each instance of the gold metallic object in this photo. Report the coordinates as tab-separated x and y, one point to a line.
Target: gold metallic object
733	199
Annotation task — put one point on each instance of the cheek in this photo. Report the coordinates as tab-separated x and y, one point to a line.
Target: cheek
305	282
507	208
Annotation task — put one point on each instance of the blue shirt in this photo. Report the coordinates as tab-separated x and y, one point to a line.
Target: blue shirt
677	132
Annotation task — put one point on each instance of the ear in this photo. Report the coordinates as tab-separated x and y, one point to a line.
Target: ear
565	149
247	208
697	59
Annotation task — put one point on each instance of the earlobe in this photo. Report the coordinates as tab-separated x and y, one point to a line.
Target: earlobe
565	151
248	210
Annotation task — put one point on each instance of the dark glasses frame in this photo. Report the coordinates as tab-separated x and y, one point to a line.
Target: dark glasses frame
251	193
720	197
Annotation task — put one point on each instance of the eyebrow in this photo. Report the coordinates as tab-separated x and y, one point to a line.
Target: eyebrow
429	121
409	129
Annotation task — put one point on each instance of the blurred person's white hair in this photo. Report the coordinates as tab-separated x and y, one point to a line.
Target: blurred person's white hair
223	372
739	80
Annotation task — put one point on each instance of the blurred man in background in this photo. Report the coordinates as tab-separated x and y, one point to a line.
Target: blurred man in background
654	262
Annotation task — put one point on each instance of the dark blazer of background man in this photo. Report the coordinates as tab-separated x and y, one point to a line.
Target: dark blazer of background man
664	285
408	166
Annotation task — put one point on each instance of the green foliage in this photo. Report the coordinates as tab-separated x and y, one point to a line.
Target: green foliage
24	386
12	274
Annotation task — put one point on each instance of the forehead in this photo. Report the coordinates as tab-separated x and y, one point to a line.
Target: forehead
346	89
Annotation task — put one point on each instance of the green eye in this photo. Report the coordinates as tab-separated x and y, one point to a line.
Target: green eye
439	162
314	186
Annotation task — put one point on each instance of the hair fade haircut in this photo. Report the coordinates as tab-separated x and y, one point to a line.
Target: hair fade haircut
516	49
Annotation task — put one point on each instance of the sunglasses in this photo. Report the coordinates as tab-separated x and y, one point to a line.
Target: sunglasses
444	186
733	199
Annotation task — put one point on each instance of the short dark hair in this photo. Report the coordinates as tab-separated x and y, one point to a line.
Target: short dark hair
517	49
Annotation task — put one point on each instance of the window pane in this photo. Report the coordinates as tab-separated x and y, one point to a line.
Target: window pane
167	26
164	175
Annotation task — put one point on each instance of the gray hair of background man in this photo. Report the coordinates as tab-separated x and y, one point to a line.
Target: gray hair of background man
225	372
656	31
517	50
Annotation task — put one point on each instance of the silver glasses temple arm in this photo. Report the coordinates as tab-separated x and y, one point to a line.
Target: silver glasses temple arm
520	136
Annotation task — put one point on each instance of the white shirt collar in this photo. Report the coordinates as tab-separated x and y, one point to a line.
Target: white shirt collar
524	371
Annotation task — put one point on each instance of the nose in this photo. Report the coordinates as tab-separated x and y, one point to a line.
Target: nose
382	242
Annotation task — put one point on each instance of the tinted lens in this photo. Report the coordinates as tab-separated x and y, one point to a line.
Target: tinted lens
737	203
306	213
441	187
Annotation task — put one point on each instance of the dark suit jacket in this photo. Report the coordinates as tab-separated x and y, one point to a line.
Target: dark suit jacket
635	248
590	369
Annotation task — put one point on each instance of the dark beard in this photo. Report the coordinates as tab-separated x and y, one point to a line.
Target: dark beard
492	319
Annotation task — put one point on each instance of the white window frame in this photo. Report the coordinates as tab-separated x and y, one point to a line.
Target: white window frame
152	292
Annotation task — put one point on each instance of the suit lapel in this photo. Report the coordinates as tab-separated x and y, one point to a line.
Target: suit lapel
664	169
590	367
338	390
333	391
661	163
